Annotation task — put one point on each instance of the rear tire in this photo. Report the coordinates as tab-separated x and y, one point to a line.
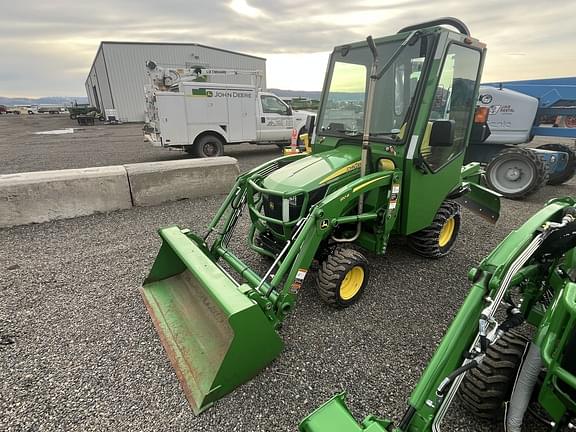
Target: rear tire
555	179
486	388
516	173
208	146
438	239
342	277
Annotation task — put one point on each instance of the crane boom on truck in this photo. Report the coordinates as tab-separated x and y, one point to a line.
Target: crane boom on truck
163	77
185	111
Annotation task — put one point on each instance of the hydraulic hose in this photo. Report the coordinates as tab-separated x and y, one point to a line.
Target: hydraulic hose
523	389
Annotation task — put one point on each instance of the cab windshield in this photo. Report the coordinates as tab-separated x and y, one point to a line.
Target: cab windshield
342	112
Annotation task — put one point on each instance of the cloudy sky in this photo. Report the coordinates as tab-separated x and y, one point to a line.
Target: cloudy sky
47	47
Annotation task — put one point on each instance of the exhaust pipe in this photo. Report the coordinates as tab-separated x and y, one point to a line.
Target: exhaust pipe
523	389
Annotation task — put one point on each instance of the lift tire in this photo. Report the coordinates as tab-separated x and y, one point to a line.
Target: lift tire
438	239
568	172
208	146
485	389
525	158
342	277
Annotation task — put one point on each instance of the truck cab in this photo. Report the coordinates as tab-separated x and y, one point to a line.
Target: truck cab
277	119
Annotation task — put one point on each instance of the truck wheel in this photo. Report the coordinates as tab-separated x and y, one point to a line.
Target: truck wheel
209	146
516	173
342	277
438	239
486	388
568	172
72	116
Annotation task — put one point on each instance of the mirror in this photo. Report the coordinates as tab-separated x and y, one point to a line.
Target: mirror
442	133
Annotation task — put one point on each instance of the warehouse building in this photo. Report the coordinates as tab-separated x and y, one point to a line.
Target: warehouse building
118	74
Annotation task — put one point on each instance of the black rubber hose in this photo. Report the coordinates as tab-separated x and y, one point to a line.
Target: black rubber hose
445	384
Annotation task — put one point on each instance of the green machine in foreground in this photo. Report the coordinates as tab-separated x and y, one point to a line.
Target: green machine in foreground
498	373
395	119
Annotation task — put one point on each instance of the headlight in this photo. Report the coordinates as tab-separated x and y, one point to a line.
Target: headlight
386	164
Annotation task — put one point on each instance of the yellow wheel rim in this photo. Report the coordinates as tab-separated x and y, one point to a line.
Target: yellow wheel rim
352	283
446	232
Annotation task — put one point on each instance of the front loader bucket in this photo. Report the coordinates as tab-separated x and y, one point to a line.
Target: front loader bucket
215	336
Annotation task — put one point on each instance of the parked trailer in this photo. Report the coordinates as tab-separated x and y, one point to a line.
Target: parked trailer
519	111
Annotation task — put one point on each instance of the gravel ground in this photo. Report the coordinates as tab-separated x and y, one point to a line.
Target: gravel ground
85	355
22	150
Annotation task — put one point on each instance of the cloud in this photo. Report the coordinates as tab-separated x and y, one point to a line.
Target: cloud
243	8
50	43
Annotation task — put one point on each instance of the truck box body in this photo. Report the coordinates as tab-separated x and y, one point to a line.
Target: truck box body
229	110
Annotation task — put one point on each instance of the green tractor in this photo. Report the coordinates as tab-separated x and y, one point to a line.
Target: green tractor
386	162
78	110
497	371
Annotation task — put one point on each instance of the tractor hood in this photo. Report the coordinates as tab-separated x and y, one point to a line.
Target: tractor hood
316	170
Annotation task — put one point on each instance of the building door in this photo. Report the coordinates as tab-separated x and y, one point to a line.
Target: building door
96	100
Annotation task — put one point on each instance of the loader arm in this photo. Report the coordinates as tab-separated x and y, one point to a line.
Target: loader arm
505	267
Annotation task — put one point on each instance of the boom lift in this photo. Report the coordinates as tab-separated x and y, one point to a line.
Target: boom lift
520	111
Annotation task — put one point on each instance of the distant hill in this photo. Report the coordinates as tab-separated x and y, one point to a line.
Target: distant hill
295	93
64	100
50	100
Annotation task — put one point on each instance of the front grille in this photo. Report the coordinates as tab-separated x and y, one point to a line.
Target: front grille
272	207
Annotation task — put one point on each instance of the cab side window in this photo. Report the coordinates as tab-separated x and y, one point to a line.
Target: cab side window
452	108
272	105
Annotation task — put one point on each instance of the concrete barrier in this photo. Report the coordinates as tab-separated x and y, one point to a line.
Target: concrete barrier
157	182
42	196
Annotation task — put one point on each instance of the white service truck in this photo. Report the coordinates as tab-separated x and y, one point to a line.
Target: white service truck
201	117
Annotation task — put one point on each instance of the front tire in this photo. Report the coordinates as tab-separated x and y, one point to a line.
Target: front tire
208	146
486	388
439	238
342	277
